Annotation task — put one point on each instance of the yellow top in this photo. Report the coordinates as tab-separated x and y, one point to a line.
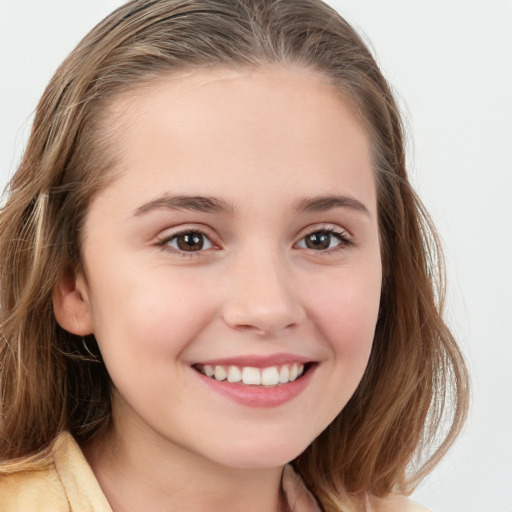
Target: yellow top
69	485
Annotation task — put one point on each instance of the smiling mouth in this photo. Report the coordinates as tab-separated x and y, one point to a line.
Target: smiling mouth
271	376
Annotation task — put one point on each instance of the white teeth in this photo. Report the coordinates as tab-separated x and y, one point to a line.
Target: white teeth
234	374
220	373
284	374
294	371
270	376
251	376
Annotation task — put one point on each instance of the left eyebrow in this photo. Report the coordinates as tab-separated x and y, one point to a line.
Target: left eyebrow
190	203
325	203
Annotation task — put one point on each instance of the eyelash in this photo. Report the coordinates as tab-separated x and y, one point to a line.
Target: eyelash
165	242
344	241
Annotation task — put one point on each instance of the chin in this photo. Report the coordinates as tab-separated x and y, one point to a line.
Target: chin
260	456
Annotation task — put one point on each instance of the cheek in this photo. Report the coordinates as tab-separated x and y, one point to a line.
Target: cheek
347	311
148	316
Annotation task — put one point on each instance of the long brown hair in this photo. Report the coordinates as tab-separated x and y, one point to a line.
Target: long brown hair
412	400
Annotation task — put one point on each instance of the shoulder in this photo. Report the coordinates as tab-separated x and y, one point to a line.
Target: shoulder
63	481
397	503
32	491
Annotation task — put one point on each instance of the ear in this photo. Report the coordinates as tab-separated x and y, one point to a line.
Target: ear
71	304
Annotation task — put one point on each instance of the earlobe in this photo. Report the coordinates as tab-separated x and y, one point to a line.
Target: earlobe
71	304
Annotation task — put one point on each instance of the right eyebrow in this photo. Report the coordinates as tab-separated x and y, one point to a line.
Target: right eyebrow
325	203
191	203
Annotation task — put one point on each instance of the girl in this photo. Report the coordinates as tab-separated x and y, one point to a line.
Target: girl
213	264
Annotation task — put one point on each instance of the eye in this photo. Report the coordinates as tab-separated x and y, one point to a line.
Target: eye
189	241
323	240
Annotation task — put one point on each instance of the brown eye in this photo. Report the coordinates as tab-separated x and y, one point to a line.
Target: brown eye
321	240
190	241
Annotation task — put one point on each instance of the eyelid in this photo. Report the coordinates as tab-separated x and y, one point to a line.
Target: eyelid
324	226
162	240
166	236
346	239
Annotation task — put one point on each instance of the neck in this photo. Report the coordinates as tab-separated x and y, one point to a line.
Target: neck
147	473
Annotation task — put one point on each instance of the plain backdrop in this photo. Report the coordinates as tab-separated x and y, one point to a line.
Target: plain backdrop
450	63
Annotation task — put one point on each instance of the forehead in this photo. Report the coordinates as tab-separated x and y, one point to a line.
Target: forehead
201	130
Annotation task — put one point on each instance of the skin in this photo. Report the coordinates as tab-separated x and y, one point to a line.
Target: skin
260	141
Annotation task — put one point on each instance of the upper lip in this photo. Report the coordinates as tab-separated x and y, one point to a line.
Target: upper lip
256	361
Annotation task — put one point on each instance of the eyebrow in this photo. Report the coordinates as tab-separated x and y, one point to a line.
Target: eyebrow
325	203
191	203
214	205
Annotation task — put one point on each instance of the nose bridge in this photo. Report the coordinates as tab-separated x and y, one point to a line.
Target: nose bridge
261	295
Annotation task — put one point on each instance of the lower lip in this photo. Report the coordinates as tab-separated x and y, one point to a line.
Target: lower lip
259	396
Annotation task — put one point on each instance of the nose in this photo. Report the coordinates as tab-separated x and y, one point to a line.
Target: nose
261	298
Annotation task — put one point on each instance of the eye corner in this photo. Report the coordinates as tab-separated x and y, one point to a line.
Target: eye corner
325	240
187	242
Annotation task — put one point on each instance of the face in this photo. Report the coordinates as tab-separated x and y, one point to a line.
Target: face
232	270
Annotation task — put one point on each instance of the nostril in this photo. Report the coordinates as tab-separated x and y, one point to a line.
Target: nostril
262	303
261	330
252	329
